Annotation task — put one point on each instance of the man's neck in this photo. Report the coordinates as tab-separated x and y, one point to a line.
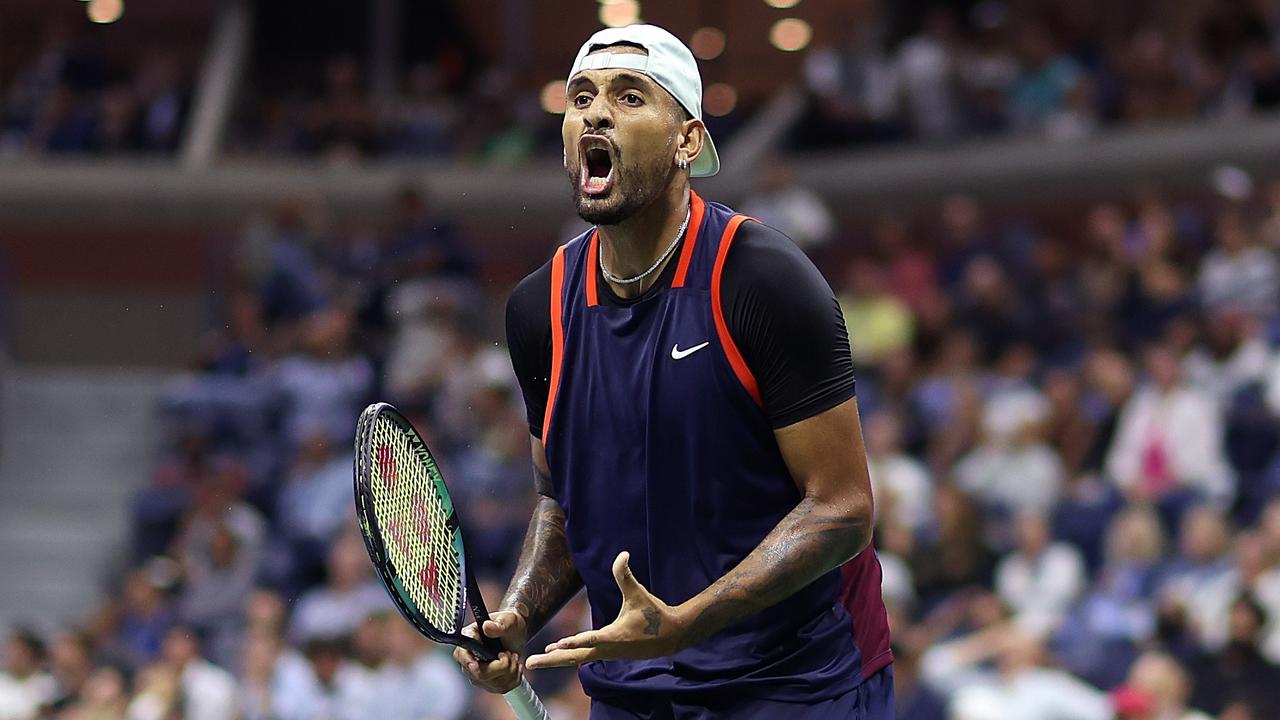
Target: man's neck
633	245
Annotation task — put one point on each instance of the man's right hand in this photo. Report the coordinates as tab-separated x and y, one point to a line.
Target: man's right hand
503	674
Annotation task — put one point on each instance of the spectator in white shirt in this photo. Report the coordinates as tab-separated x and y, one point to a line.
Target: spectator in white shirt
349	595
1168	443
276	681
1040	580
798	212
1013	468
418	682
208	691
902	485
24	686
1239	272
1002	673
1233	356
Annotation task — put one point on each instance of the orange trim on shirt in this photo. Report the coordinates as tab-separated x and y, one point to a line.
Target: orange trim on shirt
722	329
696	206
557	337
593	298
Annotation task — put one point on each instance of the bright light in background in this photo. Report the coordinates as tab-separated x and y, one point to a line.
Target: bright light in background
616	13
553	97
719	99
707	43
782	4
790	34
104	11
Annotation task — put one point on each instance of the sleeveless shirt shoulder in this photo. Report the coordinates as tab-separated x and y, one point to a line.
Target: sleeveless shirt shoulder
779	309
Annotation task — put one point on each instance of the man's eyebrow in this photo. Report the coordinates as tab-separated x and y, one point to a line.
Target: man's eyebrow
626	78
622	78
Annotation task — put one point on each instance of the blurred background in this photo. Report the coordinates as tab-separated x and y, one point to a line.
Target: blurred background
225	226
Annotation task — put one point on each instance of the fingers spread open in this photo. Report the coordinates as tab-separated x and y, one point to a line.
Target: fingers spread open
587	639
562	658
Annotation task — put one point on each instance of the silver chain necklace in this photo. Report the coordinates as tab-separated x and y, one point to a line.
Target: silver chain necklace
661	258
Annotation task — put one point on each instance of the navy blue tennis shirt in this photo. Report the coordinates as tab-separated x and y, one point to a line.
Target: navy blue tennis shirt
657	415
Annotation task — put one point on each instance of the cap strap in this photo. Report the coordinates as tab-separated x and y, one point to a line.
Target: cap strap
600	61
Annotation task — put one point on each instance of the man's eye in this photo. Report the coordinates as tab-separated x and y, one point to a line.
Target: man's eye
631	99
582	100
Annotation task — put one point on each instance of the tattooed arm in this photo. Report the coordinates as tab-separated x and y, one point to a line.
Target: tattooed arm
831	523
545	577
544	581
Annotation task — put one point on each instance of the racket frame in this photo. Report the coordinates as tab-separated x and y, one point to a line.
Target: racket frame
486	650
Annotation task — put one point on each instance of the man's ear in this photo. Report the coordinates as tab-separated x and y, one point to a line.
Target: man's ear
693	135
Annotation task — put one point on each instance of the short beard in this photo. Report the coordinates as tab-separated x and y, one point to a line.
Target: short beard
626	198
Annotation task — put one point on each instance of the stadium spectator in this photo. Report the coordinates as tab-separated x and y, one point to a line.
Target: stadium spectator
348	597
418	682
1232	357
145	615
1168	443
24	685
105	697
276	682
1040	580
925	68
71	662
1012	469
795	210
1163	685
1238	273
1100	638
954	554
1046	81
341	123
315	500
902	485
205	691
1238	674
326	383
217	578
1194	581
1000	671
880	321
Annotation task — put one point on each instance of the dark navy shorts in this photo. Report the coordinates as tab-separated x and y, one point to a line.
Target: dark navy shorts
872	700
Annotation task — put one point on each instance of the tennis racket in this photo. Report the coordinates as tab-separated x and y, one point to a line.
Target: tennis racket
415	540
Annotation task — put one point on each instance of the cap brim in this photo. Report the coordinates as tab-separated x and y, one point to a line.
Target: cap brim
708	161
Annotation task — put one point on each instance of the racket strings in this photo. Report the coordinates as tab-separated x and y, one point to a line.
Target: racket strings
413	515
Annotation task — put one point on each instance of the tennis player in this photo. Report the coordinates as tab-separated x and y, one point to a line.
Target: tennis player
697	449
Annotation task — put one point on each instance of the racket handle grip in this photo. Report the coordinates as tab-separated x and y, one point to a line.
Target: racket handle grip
525	703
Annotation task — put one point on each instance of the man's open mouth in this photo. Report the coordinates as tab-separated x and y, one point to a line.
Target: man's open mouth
597	165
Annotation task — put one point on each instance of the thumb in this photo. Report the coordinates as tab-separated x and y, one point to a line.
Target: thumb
499	623
622	575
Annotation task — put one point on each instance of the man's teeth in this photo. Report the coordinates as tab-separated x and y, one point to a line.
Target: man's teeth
596	183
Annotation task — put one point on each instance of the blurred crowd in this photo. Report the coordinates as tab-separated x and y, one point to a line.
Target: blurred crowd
923	72
1052	70
1072	418
72	96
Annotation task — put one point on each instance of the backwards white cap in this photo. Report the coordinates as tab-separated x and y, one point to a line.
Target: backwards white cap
668	63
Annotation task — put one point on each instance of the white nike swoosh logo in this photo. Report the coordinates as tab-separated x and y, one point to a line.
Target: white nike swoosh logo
678	354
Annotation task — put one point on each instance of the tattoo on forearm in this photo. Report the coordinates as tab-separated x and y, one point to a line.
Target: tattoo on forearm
652	621
545	577
808	542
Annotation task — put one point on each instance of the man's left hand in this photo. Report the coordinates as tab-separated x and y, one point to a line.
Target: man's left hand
645	627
